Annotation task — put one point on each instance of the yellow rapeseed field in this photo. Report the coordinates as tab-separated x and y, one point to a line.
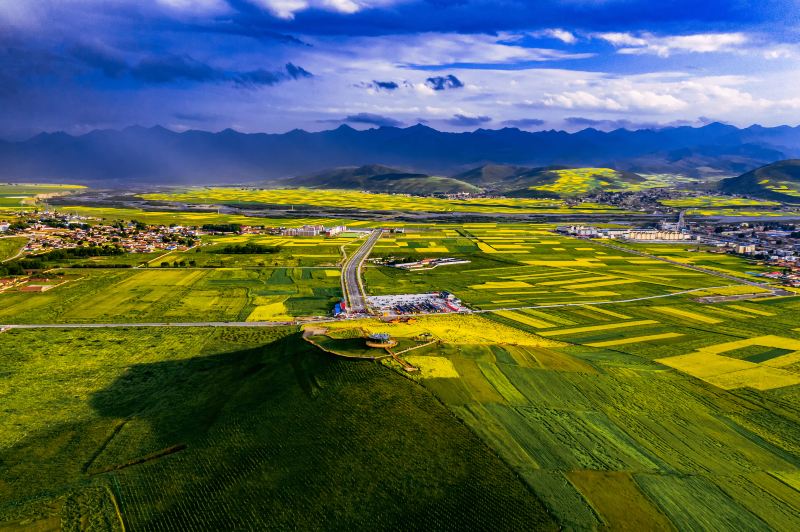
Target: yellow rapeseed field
269	309
604	327
680	313
433	367
635	339
710	364
523	318
452	329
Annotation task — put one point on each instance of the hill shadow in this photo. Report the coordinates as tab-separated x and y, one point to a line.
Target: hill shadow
281	436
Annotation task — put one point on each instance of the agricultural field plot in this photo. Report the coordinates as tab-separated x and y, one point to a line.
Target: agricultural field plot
718	201
703	256
728	206
347	199
577	181
744	212
197	218
283	252
423	242
577	421
16	196
676	181
524	265
782	186
234	428
729	345
177	294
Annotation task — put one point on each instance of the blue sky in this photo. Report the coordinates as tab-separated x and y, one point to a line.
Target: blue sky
276	65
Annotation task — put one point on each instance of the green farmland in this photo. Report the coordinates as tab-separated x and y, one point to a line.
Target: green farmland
517	265
225	429
176	295
576	397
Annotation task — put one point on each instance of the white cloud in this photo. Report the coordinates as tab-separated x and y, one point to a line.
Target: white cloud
562	35
196	5
430	49
287	8
618	100
664	46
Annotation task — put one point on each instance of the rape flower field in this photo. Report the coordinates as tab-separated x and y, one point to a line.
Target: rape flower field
567	399
344	199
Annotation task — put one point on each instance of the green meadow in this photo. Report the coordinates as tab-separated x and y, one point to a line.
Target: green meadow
577	397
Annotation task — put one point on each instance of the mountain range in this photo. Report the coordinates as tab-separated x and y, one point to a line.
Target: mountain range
138	155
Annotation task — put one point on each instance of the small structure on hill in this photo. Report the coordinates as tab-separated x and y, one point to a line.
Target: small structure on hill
381	340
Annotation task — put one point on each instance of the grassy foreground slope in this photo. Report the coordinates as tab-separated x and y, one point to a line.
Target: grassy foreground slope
777	181
9	247
634	416
175	430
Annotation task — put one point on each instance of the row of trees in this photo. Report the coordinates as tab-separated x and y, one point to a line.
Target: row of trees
250	248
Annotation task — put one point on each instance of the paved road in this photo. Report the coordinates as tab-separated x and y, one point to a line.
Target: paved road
351	276
152	324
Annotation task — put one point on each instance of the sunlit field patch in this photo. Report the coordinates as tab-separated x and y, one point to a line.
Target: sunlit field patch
692	316
604	327
714	365
433	367
451	329
366	201
635	339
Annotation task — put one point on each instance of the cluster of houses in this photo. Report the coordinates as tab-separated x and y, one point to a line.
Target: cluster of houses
645	235
42	238
313	230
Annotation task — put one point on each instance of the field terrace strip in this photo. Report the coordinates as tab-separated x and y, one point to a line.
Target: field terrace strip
345	199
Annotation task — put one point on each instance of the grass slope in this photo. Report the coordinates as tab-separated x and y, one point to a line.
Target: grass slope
777	181
9	247
377	178
573	181
181	432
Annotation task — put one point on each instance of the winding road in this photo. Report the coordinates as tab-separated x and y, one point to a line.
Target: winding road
352	287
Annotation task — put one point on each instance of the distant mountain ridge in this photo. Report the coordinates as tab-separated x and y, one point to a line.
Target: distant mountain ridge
138	155
777	181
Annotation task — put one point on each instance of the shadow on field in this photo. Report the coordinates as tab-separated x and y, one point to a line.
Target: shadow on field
281	436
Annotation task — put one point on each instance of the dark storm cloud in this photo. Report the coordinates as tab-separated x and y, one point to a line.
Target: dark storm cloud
440	83
170	68
372	120
524	122
174	68
267	77
96	63
385	85
460	120
378	85
109	62
485	16
296	72
196	117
